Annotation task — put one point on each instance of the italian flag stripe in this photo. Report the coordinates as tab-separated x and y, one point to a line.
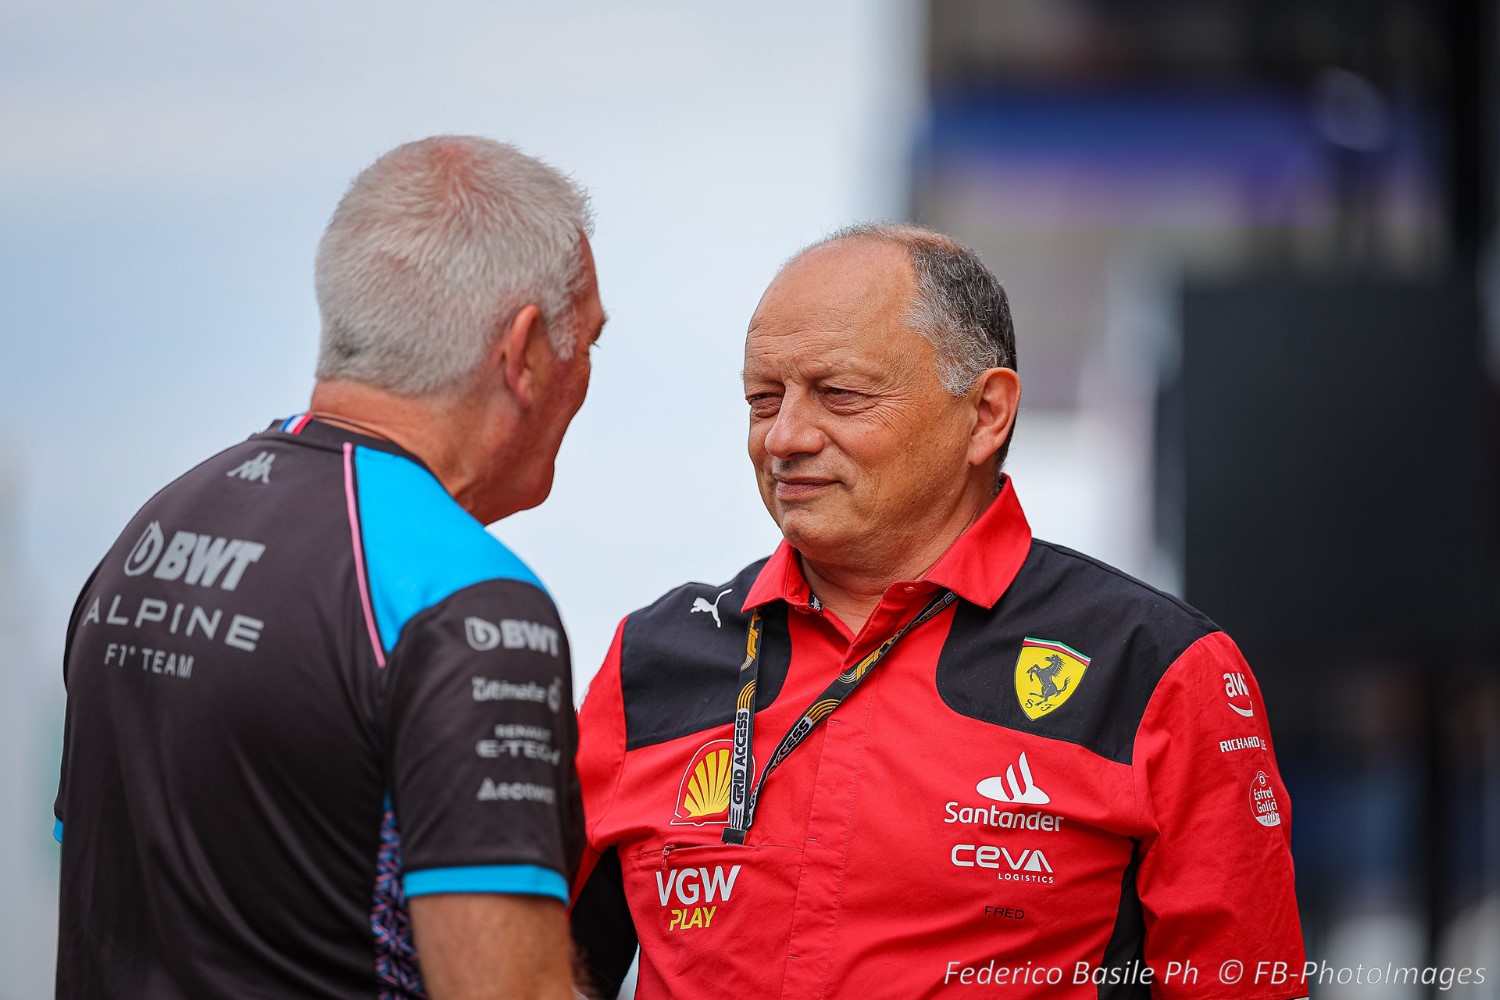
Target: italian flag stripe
1050	644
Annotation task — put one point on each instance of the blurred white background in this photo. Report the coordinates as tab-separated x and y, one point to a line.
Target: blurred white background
167	169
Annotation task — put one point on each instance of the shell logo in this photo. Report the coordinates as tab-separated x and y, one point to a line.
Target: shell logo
703	795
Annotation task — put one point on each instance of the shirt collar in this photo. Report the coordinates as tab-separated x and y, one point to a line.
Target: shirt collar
978	566
309	428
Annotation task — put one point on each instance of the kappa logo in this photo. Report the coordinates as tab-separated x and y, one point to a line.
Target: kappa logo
703	795
1235	687
1047	674
196	559
1008	789
255	470
699	604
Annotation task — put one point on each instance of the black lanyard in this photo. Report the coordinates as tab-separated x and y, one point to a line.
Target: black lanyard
742	800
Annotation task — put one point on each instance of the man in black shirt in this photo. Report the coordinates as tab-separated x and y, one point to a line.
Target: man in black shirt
320	722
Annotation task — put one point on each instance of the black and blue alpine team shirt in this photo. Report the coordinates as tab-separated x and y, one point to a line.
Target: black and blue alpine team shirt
304	686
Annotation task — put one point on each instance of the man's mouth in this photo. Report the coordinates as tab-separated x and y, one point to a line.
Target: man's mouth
791	488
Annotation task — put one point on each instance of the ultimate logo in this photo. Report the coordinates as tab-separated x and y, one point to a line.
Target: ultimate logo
1047	674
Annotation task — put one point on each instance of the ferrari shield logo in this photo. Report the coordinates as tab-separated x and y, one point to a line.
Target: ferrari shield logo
1047	674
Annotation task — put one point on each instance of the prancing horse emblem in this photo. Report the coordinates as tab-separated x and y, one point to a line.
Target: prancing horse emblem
1047	674
699	604
1045	677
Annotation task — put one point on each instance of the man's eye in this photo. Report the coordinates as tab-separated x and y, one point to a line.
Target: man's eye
763	403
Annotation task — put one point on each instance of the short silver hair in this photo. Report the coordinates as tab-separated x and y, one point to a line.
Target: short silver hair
436	246
959	305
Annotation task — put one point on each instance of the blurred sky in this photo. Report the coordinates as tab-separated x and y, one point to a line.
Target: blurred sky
167	168
166	171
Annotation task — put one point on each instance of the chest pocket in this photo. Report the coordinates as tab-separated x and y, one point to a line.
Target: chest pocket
709	909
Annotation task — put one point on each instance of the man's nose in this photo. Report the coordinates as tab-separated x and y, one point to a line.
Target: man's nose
795	430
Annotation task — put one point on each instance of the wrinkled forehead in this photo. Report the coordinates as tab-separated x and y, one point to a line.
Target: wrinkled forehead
848	286
837	316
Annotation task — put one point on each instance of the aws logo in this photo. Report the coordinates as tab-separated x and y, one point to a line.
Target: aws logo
1235	687
703	794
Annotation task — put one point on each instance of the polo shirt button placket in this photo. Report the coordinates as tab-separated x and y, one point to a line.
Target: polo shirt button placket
816	910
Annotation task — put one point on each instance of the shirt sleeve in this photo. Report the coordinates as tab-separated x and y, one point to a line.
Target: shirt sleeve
62	779
602	926
481	739
1215	879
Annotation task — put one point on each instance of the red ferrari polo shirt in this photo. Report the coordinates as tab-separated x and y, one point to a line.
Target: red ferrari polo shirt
1060	785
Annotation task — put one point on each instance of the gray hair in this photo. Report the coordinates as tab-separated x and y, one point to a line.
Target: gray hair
436	246
959	306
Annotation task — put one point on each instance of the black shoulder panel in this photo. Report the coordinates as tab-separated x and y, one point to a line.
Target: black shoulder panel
1130	632
680	659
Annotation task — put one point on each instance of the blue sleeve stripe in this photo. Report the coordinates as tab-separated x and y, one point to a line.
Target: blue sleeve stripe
57	830
525	880
420	546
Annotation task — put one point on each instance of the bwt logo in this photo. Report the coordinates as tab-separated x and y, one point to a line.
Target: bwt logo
512	634
192	558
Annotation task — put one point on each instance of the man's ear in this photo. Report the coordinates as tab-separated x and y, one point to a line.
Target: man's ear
513	357
997	397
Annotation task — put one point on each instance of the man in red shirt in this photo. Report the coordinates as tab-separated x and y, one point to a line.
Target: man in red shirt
917	752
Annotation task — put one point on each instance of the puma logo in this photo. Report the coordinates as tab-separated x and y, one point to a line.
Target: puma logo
699	604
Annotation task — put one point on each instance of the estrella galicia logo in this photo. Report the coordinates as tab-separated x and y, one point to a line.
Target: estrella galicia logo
1263	801
147	550
482	635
